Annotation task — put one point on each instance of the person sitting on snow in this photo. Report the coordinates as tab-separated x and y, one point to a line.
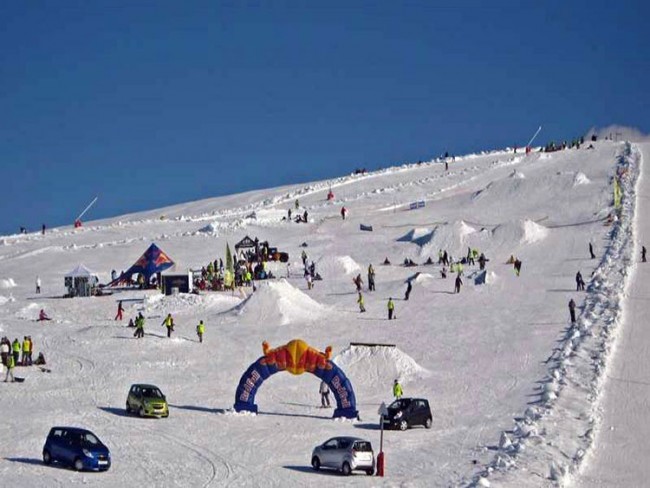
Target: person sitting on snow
43	316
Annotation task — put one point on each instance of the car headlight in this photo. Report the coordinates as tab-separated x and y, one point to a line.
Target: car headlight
398	415
87	453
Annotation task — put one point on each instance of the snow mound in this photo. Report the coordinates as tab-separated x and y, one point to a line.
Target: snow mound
421	278
377	366
279	302
519	232
214	227
580	179
267	216
418	235
331	266
7	283
450	236
516	174
184	302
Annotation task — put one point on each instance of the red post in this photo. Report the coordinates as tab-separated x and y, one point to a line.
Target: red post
380	464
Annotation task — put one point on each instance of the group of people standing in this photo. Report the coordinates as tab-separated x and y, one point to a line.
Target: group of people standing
168	323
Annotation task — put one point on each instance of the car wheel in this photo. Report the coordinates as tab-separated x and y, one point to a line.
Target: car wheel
346	469
128	408
370	471
403	425
428	423
47	458
141	412
315	463
78	464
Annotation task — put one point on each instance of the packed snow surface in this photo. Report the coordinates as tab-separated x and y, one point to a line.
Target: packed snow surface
513	385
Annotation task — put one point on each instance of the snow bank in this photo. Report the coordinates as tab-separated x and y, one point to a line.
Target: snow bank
450	236
162	304
331	266
519	232
279	302
378	366
7	283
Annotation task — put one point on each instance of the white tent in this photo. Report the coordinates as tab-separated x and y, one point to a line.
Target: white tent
81	282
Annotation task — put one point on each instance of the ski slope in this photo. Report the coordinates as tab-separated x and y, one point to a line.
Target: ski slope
514	388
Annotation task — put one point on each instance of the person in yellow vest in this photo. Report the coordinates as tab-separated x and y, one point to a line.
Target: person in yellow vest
15	349
169	323
362	308
26	351
200	330
10	369
397	390
391	308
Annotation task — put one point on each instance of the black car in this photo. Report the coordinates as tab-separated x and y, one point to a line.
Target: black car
408	412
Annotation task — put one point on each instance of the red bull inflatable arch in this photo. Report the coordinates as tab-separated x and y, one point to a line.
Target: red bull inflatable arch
296	357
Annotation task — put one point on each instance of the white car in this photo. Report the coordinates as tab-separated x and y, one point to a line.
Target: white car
345	454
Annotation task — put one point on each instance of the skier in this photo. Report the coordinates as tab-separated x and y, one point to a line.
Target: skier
458	283
120	309
397	390
169	323
344	211
38	284
11	363
362	308
409	287
591	251
572	311
643	254
371	278
391	308
324	391
580	284
200	329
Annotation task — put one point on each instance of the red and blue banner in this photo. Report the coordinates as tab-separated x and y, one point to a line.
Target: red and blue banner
296	357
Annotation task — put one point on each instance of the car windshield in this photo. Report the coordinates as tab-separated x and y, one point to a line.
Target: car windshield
362	446
399	404
90	440
152	393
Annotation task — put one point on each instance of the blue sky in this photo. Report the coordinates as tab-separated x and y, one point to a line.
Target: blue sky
150	103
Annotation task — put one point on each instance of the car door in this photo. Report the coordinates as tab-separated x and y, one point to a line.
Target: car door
419	413
134	396
329	452
54	444
67	447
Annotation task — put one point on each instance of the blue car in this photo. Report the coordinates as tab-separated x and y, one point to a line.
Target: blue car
76	447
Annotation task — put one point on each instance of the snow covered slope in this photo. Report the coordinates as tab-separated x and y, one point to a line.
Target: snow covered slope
496	358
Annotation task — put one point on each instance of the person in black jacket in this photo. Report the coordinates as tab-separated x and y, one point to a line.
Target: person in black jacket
457	284
572	311
580	283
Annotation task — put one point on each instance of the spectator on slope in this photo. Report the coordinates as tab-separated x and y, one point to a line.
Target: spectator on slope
517	266
344	212
305	217
358	282
324	391
5	346
391	308
200	330
43	229
445	258
289	215
11	363
139	326
43	316
440	256
297	204
40	360
303	255
443	273
397	390
409	287
371	278
643	254
26	352
470	257
15	350
360	301
169	323
38	284
120	310
481	261
310	281
572	311
457	284
591	251
386	261
580	283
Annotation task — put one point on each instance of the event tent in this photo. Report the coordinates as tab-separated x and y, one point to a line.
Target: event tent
153	261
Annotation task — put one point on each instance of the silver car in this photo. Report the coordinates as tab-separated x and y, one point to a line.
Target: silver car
346	454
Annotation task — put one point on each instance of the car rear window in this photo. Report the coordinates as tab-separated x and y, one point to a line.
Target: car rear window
362	446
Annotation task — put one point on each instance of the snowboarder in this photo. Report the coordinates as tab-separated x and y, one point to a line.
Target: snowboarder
457	284
591	251
324	391
371	278
344	211
120	309
517	266
580	284
409	287
360	301
200	329
43	316
11	363
38	284
169	323
391	308
643	254
397	390
572	311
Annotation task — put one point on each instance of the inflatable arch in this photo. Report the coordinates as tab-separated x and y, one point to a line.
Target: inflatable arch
296	357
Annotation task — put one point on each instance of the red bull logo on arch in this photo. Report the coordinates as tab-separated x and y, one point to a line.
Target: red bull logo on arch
296	357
